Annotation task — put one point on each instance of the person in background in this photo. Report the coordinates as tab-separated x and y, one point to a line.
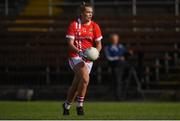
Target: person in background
116	53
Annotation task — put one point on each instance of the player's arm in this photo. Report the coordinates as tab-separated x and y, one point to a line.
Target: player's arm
98	45
72	47
70	36
98	37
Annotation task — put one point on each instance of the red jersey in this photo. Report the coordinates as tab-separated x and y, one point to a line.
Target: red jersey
84	36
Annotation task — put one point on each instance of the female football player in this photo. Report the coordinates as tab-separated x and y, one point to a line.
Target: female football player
82	34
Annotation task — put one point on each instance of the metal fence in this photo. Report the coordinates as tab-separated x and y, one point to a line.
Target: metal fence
11	7
136	7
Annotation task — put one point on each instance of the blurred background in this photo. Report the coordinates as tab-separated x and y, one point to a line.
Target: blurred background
33	50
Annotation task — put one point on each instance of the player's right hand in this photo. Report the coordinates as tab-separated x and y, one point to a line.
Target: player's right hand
82	55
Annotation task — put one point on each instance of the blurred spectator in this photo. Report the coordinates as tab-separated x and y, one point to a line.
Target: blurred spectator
116	53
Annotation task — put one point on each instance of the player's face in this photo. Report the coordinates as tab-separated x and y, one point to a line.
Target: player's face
87	14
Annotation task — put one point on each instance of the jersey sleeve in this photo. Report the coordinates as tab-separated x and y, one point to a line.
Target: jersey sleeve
97	34
71	31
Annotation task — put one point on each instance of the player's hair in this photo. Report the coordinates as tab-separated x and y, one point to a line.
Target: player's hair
83	6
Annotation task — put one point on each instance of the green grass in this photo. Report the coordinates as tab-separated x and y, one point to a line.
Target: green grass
93	110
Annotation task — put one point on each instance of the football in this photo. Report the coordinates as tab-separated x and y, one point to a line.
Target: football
91	53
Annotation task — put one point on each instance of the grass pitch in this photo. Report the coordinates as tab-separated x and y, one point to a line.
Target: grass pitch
93	110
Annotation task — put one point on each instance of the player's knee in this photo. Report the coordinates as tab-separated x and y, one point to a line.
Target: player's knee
83	73
85	79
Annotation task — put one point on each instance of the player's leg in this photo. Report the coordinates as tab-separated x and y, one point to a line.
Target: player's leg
83	70
79	84
82	87
72	92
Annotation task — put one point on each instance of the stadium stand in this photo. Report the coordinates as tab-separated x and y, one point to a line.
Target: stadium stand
12	7
33	53
40	7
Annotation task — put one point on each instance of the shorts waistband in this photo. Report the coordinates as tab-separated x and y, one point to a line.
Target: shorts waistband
77	57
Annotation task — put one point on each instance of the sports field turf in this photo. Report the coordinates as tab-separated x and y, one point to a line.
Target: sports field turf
93	110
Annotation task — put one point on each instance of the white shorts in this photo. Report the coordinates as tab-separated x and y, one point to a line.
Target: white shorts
75	60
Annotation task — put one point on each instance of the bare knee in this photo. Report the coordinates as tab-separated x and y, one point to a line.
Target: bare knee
83	74
85	79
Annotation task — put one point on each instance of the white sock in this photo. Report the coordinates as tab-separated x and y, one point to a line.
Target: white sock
67	105
79	104
80	101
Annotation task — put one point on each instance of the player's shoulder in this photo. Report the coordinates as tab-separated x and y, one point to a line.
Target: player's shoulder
95	26
94	23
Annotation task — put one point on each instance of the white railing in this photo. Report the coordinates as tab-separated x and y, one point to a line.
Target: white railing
11	7
6	7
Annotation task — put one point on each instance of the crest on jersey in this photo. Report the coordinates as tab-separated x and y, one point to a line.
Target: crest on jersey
91	30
